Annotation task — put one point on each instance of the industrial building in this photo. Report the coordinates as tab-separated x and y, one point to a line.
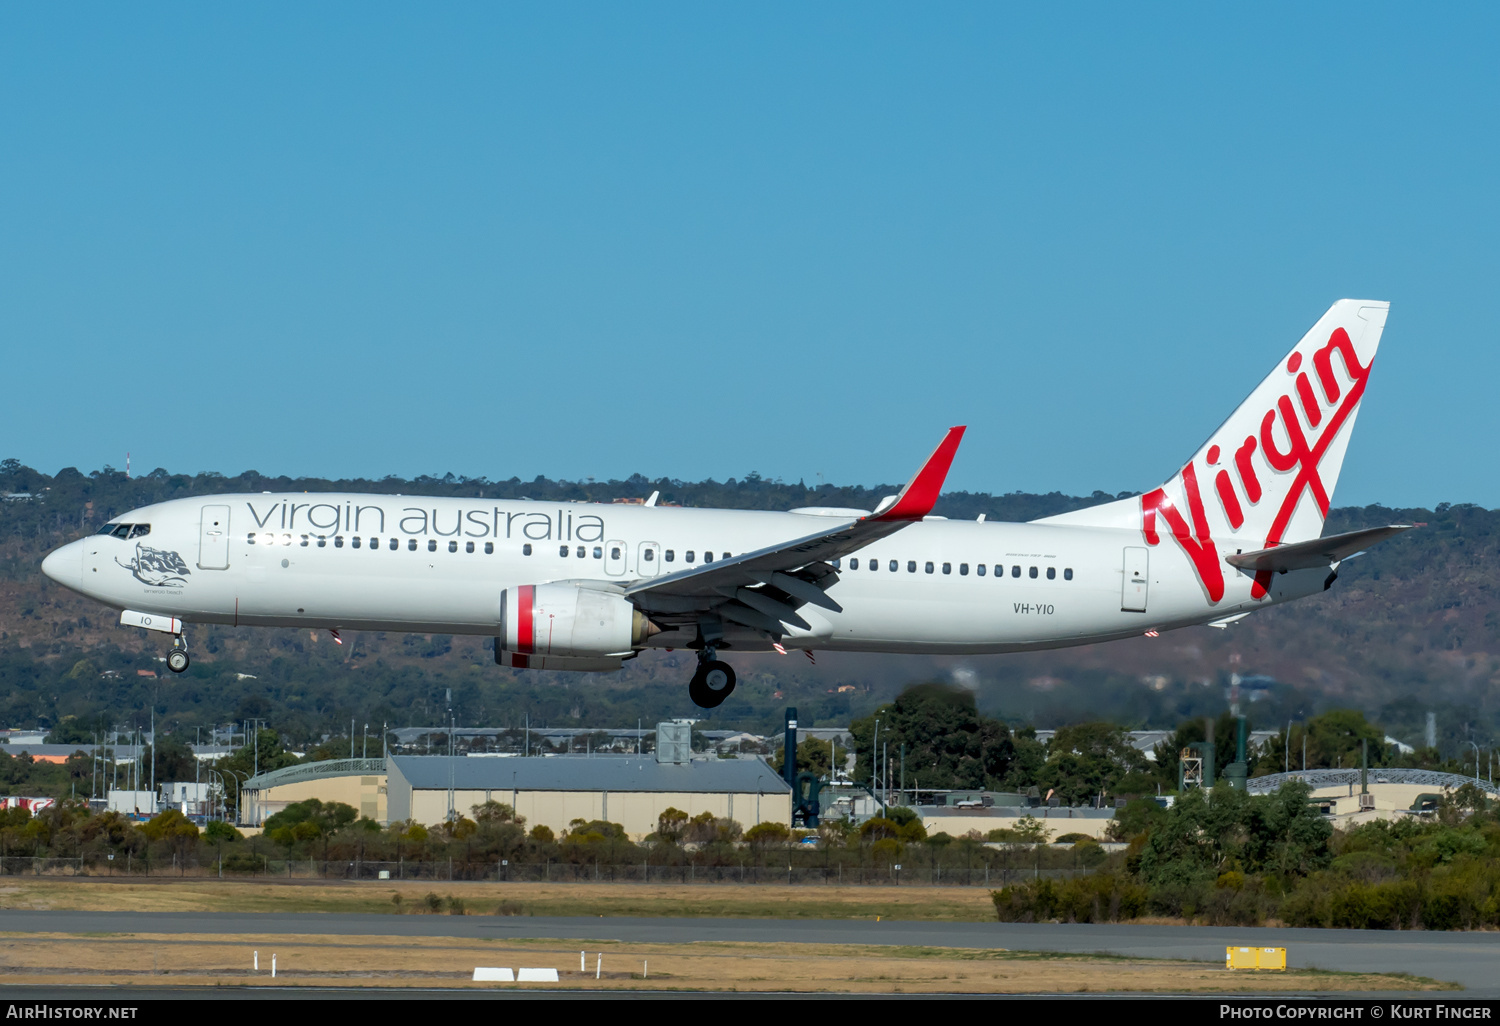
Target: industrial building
550	791
630	790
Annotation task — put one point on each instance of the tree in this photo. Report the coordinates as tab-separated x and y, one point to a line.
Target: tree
767	835
670	825
948	743
308	820
813	756
174	760
1091	759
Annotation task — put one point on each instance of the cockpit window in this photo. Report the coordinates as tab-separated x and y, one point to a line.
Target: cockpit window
140	530
126	530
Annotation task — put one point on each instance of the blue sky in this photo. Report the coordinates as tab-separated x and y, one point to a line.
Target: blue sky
701	240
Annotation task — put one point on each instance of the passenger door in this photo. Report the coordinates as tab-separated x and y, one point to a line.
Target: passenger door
213	539
648	559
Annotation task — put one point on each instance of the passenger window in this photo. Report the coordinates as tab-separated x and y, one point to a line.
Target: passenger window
304	541
581	553
979	569
688	555
929	568
453	546
468	546
250	538
1033	573
338	541
286	539
322	541
854	563
526	549
614	551
669	555
874	564
1052	573
947	568
395	544
963	569
895	566
562	550
598	552
650	555
1067	573
489	548
354	542
1015	571
431	544
838	564
708	557
411	545
911	566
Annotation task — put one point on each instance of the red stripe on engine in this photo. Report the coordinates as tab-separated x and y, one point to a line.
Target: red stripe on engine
525	629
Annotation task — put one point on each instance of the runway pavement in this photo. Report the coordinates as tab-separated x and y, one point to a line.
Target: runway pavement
1470	959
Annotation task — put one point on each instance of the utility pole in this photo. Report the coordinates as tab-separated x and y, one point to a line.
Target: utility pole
451	722
875	757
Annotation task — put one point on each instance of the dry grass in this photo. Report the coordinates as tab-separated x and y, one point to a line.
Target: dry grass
939	904
216	960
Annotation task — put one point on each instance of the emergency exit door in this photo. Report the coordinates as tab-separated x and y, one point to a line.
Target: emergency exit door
614	558
1137	580
213	539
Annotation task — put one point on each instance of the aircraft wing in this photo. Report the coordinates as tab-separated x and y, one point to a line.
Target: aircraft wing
762	589
1314	554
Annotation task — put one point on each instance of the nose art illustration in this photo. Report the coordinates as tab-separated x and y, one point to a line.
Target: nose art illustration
156	567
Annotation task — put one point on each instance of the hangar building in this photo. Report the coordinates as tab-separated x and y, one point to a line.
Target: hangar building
629	790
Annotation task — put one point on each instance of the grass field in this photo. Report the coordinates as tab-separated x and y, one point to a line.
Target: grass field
162	894
219	961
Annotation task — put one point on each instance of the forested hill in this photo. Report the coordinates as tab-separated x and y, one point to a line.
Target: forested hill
1410	627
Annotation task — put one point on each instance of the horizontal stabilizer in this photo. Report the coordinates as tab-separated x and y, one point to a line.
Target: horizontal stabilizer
1318	552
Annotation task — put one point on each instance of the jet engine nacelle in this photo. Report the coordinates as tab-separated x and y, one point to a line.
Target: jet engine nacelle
549	625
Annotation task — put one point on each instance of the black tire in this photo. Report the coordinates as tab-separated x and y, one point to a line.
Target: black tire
713	683
177	660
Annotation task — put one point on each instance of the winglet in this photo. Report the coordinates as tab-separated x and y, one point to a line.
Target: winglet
921	492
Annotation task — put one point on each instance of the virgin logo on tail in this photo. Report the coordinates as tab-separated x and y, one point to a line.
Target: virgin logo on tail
1306	440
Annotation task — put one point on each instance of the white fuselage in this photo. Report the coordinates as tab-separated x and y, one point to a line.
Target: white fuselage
383	562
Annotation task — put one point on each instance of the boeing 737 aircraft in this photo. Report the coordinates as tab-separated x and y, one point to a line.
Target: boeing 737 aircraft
577	586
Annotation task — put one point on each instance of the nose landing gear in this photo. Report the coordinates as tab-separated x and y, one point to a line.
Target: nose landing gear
712	683
177	659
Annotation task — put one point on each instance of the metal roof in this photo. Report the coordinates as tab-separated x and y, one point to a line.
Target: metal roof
598	773
1377	775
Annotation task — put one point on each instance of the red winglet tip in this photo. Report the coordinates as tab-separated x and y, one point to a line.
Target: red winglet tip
921	493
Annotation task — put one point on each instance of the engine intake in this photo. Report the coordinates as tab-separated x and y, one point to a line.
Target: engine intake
562	622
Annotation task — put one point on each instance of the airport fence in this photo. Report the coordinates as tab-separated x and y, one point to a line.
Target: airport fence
245	864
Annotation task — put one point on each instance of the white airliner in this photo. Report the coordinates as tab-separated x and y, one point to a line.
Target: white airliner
575	586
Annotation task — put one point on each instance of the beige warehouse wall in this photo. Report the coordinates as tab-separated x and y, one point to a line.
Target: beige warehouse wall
636	811
367	795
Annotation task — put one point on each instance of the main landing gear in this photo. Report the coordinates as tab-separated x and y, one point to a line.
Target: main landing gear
713	682
177	659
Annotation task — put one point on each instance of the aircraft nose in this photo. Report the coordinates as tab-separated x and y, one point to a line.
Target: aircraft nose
65	565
